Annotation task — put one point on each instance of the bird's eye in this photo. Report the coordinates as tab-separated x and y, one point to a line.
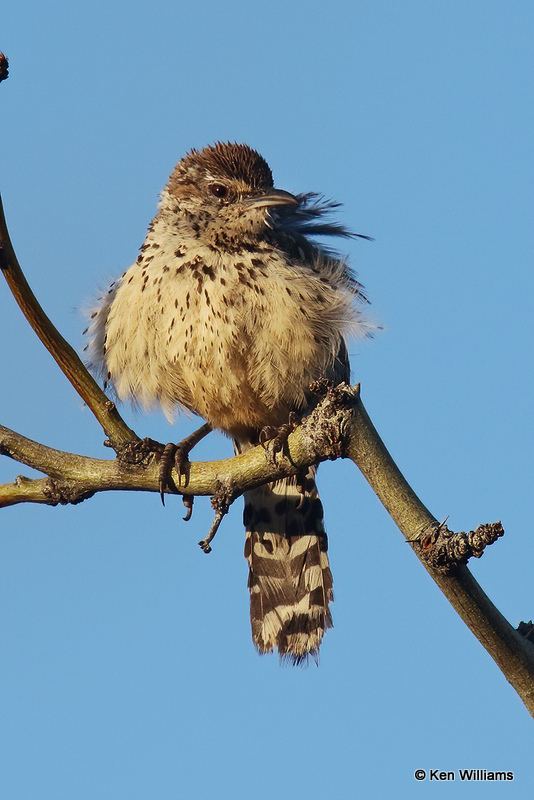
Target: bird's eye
219	190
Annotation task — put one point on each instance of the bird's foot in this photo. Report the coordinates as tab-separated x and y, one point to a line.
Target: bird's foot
177	456
277	437
173	456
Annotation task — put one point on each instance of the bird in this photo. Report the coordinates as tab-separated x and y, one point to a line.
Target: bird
231	311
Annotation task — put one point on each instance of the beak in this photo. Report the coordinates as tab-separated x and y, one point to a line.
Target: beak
272	197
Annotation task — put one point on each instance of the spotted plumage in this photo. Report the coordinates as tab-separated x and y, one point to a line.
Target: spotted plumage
231	311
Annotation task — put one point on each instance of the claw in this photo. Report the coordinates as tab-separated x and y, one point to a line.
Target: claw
266	434
301	488
188	500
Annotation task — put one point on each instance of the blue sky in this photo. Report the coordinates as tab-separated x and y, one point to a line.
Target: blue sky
127	669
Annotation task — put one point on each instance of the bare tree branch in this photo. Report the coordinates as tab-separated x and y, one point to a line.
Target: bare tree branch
82	476
338	427
509	649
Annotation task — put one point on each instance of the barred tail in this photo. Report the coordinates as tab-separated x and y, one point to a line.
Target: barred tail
289	579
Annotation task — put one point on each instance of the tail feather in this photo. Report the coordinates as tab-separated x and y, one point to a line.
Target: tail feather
289	574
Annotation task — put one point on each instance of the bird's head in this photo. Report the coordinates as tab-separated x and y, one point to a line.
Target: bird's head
224	192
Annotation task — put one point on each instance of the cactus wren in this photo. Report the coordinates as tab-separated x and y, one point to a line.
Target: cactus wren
231	311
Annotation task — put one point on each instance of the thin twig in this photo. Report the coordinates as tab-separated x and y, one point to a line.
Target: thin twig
65	356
